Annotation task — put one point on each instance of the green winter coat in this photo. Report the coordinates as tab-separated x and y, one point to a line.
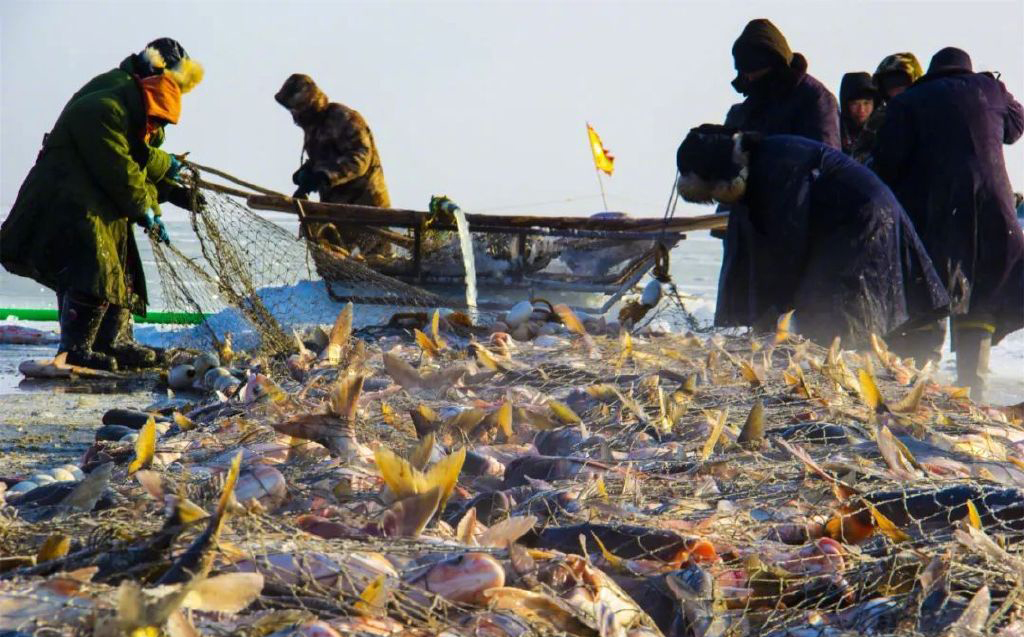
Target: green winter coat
71	225
159	161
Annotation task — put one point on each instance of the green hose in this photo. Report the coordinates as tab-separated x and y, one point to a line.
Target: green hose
152	318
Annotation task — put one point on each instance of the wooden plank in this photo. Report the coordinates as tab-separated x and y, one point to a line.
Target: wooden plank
349	214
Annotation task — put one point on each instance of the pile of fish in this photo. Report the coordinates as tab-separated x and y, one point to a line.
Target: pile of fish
433	477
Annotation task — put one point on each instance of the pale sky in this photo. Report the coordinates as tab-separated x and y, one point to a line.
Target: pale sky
484	101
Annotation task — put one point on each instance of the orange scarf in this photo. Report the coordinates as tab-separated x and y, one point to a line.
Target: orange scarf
161	97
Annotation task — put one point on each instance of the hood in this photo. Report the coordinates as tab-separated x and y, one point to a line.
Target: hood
300	95
949	61
858	85
759	46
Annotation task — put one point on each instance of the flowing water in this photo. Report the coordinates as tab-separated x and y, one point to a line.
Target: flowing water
468	260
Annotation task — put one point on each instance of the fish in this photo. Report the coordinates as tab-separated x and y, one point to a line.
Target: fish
196	560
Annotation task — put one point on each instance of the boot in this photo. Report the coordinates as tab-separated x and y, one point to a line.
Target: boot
922	343
79	322
973	346
115	339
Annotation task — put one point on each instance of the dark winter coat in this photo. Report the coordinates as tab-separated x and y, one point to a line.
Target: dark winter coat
796	104
940	150
821	234
71	226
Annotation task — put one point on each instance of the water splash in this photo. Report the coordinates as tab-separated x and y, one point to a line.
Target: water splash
468	260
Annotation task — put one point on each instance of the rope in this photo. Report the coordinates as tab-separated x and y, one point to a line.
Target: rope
233	179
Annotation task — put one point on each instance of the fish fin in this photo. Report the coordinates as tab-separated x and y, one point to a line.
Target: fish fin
87	493
344	396
152	483
484	357
972	515
145	447
426	344
465	532
716	432
569	319
504	419
340	334
189	511
753	428
563	412
226	494
420	455
507	531
445	474
54	547
751	374
886	526
435	331
424	420
374	597
869	390
402	372
782	333
410	515
616	562
912	401
224	593
182	421
400	477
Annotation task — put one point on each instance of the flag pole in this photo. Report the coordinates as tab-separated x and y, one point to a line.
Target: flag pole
600	184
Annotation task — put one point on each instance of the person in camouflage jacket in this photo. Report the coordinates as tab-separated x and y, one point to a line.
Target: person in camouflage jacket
894	75
342	163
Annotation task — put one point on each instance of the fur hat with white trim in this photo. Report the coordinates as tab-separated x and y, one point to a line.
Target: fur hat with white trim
713	164
167	56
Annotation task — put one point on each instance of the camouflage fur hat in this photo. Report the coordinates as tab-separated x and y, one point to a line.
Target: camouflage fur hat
900	63
300	92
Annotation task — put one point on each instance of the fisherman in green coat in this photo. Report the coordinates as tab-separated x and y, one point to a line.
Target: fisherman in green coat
70	227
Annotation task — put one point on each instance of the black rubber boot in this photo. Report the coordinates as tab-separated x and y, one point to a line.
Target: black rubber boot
973	346
79	323
922	343
115	339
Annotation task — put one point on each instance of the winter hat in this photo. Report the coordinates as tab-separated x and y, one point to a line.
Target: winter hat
707	151
300	93
761	45
950	59
166	55
905	63
857	86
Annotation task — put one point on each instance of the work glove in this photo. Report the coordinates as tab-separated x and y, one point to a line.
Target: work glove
155	227
181	197
308	181
175	168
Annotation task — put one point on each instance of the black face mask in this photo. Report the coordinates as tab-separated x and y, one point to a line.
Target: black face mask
753	88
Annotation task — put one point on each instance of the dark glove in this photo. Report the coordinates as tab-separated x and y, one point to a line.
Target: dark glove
308	181
155	227
181	197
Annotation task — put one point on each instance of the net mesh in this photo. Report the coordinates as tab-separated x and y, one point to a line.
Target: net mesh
654	514
725	538
260	280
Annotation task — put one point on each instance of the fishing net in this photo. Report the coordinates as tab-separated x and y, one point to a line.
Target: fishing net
254	278
811	531
260	278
